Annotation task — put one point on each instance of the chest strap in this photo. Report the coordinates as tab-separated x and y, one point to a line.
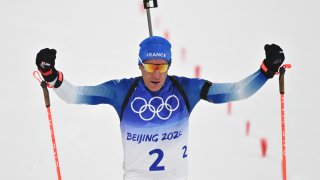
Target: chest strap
182	92
126	99
134	85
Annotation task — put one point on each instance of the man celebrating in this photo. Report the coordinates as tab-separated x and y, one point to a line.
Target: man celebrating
154	109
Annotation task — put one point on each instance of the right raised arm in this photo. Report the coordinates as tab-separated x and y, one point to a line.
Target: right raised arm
111	92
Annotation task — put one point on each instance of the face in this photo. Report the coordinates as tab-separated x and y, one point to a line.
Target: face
154	80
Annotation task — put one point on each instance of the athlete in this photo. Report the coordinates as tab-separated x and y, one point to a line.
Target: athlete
154	109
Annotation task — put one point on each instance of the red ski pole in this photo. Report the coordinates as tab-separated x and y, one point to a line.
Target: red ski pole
283	122
44	86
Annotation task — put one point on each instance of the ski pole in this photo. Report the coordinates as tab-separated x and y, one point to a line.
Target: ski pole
147	5
44	86
283	125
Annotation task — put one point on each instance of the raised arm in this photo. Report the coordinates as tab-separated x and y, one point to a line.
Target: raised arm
111	92
226	92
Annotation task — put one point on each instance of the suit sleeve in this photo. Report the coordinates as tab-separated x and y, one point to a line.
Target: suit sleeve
111	92
226	92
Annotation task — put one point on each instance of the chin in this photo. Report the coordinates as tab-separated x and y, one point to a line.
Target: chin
154	88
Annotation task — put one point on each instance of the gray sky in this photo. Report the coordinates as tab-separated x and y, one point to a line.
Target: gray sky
98	41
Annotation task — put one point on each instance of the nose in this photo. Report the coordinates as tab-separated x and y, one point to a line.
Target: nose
156	74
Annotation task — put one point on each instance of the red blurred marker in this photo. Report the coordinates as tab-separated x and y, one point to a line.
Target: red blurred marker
166	35
264	147
157	22
229	110
197	70
248	128
142	8
183	54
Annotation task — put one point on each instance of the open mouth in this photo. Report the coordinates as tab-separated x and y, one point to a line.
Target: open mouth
155	82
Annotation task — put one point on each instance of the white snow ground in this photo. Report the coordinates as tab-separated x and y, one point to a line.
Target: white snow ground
98	41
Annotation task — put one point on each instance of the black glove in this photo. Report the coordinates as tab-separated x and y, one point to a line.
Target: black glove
45	61
272	62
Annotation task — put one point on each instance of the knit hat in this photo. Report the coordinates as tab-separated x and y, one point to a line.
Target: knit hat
155	47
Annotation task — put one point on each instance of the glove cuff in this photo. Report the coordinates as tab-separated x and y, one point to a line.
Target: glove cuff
50	75
59	80
267	71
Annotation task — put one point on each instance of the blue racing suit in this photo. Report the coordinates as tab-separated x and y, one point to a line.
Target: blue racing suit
154	125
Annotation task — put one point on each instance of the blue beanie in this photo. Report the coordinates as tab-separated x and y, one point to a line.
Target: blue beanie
155	47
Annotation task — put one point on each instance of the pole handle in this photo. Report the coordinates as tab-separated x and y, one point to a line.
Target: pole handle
44	85
282	71
281	80
45	93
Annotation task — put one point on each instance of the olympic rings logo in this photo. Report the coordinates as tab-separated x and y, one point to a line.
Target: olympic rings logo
155	110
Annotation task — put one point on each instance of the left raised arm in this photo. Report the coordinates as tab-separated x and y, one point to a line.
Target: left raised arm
226	92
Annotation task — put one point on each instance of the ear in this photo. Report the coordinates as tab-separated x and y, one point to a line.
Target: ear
140	67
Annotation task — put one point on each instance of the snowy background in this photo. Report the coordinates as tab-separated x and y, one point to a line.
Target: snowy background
98	40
